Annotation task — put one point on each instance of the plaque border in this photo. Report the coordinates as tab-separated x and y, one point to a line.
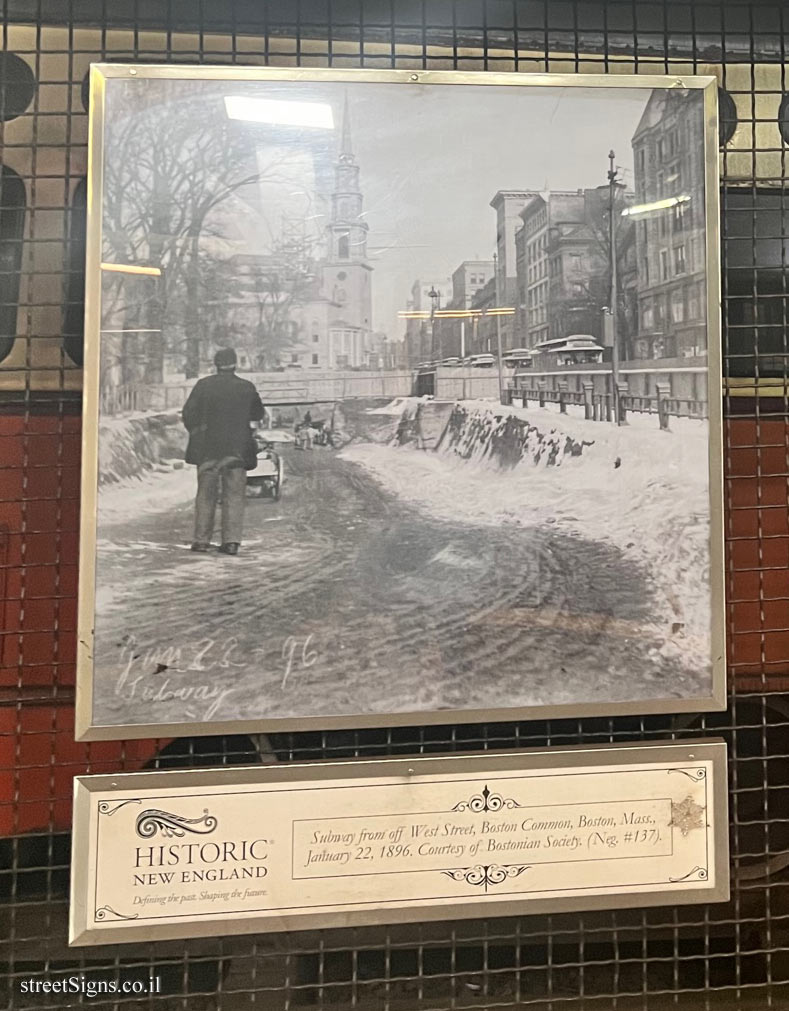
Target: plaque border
85	728
84	931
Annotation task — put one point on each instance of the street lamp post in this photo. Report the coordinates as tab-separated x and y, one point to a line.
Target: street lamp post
435	299
612	309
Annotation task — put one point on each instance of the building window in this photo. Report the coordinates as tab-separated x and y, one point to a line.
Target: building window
647	317
294	359
314	359
693	303
645	270
679	217
640	161
660	151
677	307
343	245
12	225
663	227
664	274
680	266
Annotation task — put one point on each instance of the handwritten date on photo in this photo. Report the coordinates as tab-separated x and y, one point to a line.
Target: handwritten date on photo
151	674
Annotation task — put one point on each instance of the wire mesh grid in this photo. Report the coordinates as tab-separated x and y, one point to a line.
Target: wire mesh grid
736	954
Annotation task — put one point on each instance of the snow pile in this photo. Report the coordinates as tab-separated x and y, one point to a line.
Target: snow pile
479	434
634	486
400	406
136	444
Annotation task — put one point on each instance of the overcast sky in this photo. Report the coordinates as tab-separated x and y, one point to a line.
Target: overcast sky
431	159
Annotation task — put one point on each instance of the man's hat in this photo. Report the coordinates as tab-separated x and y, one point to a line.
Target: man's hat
225	358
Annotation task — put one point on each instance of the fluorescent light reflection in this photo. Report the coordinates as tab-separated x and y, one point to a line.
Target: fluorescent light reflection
131	268
271	110
658	205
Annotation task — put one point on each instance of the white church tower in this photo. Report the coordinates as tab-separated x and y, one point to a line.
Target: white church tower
346	270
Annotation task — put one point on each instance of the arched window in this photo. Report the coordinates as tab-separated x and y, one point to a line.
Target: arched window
74	314
12	226
343	245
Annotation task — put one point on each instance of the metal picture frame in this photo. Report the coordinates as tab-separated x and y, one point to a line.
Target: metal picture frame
86	727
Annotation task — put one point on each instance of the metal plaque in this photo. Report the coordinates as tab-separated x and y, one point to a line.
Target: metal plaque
288	847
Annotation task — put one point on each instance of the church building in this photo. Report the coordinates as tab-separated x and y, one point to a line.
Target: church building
346	272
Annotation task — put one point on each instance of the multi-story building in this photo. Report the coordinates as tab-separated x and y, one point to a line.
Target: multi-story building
467	280
532	283
544	219
670	241
508	205
469	277
564	272
580	268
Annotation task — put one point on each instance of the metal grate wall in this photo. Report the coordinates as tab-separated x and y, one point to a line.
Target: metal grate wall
732	955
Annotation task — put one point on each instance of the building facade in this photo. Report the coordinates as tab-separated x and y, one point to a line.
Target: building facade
564	268
508	205
456	335
670	241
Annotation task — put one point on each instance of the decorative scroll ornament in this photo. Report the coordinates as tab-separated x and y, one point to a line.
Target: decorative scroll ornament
104	911
108	808
698	873
687	815
487	875
695	774
151	821
486	801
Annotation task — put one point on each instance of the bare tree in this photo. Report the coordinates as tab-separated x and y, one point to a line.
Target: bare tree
169	167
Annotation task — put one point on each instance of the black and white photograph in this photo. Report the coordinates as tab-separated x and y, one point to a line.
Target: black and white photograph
401	401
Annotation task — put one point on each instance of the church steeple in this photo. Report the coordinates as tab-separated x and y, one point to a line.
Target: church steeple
347	229
346	272
346	148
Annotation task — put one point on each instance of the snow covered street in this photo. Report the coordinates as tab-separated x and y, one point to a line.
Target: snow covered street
637	488
389	579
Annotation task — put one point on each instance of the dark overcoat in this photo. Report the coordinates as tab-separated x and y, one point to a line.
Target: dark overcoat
217	415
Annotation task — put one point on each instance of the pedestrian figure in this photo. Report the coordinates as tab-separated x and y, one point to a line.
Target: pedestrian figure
218	414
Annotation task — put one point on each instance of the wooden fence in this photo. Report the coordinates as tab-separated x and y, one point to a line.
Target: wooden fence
600	406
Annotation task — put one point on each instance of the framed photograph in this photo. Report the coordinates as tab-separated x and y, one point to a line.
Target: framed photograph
402	400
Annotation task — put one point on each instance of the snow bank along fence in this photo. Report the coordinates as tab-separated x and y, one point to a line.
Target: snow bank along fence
484	432
278	388
675	388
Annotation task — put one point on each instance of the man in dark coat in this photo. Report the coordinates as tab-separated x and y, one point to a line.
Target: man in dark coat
218	415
